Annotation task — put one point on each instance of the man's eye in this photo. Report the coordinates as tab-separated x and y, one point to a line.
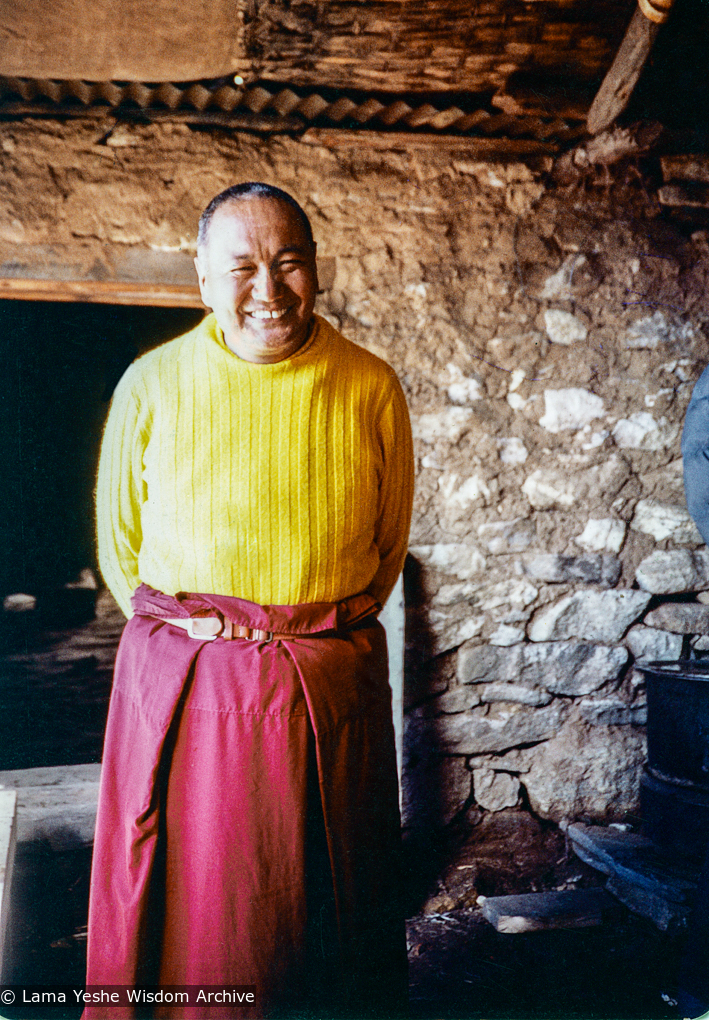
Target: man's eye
290	264
243	269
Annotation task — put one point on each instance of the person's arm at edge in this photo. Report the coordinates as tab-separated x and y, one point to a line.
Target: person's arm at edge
120	493
395	493
695	455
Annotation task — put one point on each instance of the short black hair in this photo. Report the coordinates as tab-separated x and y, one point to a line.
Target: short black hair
251	189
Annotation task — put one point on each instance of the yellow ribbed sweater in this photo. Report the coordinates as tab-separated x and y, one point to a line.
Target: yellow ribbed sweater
280	484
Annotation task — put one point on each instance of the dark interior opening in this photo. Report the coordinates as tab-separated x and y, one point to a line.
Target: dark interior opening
61	363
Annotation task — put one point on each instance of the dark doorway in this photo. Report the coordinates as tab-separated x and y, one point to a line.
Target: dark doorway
60	365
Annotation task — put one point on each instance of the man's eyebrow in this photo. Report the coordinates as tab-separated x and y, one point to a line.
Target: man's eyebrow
298	249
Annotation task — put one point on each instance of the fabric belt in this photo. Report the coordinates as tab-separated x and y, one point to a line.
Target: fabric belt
209	628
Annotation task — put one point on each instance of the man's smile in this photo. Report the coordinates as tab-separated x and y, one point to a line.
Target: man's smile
264	313
257	272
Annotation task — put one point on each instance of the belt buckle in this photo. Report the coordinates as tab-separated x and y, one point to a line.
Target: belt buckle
261	635
190	622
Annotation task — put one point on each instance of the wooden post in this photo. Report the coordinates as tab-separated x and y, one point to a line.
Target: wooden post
618	84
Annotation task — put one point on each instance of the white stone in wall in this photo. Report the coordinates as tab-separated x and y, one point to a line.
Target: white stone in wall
517	377
492	728
465	493
518	760
558	285
500	537
478	663
581	770
563	327
572	668
571	408
569	668
462	388
590	616
612	712
597	438
449	630
680	618
19	603
547	488
557	569
459	699
451	557
449	424
648	644
515	693
515	592
650	399
451	594
662	520
517	402
495	791
507	635
512	451
604	480
655	329
674	570
640	431
604	534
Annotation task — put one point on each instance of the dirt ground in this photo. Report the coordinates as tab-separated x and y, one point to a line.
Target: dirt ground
460	967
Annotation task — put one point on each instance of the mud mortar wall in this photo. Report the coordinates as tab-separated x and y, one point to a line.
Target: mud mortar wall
548	342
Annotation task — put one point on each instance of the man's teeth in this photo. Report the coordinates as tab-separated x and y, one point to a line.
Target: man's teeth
265	314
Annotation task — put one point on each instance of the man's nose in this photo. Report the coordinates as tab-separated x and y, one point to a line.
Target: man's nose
264	285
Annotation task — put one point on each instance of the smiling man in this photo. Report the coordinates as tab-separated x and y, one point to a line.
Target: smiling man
253	504
256	268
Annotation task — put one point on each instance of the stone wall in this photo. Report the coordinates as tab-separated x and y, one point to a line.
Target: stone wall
547	340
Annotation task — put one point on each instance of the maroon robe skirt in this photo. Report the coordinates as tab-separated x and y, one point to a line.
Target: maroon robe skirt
213	830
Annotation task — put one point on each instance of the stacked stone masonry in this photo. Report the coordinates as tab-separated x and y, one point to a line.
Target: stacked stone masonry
548	340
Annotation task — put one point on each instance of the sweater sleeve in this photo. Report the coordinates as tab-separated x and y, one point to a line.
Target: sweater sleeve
121	492
395	494
695	455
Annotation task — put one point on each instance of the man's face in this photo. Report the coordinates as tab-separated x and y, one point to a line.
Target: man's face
257	272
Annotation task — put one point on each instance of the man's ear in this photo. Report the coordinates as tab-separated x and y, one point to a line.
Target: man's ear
202	280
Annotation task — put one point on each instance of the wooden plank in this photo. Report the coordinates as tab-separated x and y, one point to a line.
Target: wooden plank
108	292
688	195
685	168
8	844
571	908
474	148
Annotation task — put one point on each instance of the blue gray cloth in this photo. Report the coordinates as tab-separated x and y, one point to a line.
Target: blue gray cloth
693	991
695	455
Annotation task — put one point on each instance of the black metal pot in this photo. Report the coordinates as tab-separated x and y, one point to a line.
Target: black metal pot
674	789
